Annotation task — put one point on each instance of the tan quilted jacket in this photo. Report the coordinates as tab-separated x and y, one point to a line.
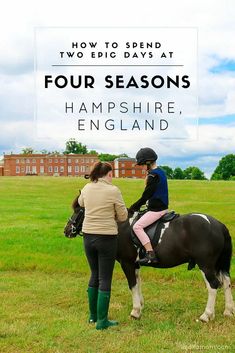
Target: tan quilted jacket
104	206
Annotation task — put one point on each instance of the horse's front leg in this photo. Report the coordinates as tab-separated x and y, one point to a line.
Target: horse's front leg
138	279
133	278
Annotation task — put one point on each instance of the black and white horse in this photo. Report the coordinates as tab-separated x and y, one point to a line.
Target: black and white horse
195	238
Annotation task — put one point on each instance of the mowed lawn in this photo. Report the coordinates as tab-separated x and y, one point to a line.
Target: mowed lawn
44	277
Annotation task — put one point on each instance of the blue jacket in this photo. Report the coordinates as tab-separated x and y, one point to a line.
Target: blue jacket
155	193
161	188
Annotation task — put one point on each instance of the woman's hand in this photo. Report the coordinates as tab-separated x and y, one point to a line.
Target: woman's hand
131	212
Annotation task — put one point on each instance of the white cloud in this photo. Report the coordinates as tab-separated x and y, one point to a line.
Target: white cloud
215	21
230	102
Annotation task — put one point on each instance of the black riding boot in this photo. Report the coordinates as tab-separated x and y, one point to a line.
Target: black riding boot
150	258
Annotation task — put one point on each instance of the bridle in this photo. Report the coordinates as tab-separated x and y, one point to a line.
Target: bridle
74	224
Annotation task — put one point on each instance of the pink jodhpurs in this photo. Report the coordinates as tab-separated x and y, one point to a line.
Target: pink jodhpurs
147	219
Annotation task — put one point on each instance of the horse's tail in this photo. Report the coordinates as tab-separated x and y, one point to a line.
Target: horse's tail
224	260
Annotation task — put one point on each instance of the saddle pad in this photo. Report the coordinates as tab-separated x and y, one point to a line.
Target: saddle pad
154	230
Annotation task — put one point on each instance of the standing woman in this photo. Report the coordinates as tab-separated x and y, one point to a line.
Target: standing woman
104	206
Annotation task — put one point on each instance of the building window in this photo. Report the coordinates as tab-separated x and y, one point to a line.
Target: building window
17	161
27	160
61	169
34	160
143	171
69	160
27	171
133	164
34	169
41	169
22	169
69	169
56	169
82	160
133	171
17	170
50	169
50	160
76	160
123	164
83	169
87	160
76	169
41	161
62	160
56	160
22	160
123	171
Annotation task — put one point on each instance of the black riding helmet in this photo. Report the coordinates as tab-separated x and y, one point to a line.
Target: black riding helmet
145	155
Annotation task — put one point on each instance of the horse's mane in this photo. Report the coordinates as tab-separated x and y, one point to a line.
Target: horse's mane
75	203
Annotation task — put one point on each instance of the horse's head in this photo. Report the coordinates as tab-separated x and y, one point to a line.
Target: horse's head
74	224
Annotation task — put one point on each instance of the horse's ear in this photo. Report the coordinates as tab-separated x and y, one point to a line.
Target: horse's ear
75	203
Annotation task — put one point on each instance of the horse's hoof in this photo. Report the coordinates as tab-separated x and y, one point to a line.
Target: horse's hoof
229	312
136	314
206	317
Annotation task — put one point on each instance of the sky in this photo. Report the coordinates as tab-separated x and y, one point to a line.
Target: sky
216	71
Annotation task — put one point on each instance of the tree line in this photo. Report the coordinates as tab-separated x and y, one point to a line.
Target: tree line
190	173
224	171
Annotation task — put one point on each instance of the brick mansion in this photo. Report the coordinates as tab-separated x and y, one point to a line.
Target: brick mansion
65	165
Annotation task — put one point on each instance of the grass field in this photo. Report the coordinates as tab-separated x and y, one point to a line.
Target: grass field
44	277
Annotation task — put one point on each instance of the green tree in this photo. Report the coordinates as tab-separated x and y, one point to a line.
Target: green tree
93	152
27	150
178	174
216	176
197	174
188	173
194	173
106	157
226	168
55	152
168	171
123	155
73	146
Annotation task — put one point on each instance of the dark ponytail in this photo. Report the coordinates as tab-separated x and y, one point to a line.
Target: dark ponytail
99	170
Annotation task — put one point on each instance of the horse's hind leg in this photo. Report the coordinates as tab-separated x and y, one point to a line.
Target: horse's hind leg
229	303
212	284
133	278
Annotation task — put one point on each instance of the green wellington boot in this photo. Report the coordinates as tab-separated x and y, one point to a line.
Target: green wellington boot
102	311
92	300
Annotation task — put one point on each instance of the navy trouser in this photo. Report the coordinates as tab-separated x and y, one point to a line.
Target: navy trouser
101	252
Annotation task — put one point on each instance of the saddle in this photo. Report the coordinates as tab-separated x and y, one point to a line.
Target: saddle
154	230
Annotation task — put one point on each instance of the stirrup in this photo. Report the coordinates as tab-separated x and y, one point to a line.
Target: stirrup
150	258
